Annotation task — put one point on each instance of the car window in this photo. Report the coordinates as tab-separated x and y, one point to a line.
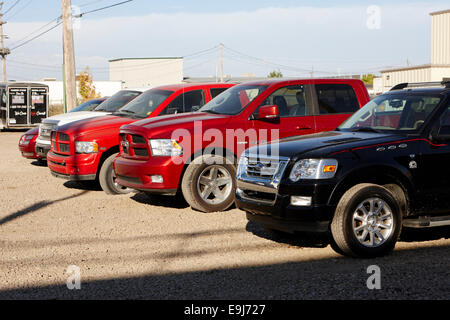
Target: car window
117	101
291	101
186	102
445	118
216	91
404	112
146	103
336	98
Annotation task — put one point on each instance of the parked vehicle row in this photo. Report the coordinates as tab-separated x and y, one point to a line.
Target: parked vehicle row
296	155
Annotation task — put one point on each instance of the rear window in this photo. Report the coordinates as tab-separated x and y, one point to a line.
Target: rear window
336	98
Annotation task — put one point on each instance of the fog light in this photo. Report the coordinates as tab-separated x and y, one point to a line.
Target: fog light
157	179
300	201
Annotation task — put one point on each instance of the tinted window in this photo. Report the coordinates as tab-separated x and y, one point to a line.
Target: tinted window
291	101
216	91
87	106
117	101
336	98
186	102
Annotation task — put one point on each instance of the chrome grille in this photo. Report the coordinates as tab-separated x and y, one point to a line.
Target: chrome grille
45	130
264	168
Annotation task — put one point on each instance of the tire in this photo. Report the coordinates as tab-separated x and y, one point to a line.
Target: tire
367	222
201	184
106	178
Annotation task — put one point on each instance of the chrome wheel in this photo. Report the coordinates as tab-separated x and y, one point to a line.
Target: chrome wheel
373	222
214	184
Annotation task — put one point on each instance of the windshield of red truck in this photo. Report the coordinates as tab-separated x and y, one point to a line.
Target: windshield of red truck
117	101
146	103
233	100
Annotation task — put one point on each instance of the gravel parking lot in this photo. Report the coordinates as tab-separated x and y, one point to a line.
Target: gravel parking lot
135	246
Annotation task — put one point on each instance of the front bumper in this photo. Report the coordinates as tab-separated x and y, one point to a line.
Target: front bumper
42	147
136	174
28	150
74	167
279	214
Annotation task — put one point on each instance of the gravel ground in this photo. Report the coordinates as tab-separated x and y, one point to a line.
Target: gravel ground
133	246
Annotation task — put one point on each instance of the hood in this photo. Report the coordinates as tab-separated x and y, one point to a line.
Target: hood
62	119
325	143
104	123
163	124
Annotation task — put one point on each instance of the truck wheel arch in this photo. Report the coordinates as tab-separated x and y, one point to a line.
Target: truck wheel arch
105	155
391	178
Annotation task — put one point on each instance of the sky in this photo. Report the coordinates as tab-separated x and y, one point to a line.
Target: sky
299	38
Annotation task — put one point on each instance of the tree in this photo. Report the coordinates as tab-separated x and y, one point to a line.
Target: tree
86	88
368	78
275	74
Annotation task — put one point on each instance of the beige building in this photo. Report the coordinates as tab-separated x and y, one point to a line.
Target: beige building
438	69
146	72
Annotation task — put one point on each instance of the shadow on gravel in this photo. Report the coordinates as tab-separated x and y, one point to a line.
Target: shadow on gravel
420	273
39	163
35	207
176	202
83	185
321	241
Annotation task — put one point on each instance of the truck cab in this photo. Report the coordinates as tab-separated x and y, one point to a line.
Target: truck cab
196	153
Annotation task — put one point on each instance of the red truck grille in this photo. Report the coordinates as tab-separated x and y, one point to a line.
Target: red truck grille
60	143
134	146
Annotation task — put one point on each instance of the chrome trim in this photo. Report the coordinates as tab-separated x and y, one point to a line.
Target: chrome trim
259	184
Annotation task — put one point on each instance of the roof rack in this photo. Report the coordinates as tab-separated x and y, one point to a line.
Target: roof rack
401	86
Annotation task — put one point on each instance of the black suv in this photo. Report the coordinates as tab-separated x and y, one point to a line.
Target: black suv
386	167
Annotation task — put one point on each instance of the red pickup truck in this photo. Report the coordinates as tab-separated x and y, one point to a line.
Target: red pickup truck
84	150
197	152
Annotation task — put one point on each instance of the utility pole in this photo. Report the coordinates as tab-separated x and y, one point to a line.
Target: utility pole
3	51
69	57
221	62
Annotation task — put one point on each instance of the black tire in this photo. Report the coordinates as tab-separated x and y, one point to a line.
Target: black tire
106	178
345	228
191	187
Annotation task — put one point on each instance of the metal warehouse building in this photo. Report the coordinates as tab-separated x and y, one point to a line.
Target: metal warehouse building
146	72
438	69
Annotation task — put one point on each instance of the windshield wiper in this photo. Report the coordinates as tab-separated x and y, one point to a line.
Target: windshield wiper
210	111
364	129
127	111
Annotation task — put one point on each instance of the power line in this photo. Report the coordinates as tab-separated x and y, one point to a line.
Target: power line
103	8
37	30
15	3
39	35
20	10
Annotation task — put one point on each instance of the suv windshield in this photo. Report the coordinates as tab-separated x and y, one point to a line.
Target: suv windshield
146	103
233	100
404	112
88	105
117	101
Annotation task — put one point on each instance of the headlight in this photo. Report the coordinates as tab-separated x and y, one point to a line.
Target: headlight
165	147
86	147
314	169
25	140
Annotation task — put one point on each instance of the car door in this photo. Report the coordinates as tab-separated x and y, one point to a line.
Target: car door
433	171
295	110
186	102
334	103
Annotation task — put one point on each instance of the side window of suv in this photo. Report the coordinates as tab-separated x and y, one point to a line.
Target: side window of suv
336	98
291	101
186	102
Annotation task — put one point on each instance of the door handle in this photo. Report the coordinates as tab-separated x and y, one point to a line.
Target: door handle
303	128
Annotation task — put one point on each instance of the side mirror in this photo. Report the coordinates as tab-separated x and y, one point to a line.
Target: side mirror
268	113
442	133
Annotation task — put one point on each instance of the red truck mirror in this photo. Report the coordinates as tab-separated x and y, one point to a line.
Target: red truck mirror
268	112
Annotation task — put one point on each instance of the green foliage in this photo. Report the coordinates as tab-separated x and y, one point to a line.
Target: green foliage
368	78
275	74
